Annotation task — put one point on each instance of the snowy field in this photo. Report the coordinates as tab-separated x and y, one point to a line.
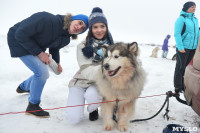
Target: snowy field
159	81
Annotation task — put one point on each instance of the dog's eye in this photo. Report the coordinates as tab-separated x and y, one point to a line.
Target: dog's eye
116	56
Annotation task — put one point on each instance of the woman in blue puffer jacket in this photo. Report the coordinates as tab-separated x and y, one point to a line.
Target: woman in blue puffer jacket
186	43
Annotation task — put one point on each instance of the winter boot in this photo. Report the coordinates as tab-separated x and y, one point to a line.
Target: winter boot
93	116
32	109
19	90
179	90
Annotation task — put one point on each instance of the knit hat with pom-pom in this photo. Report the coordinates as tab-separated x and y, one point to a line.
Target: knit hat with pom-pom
97	16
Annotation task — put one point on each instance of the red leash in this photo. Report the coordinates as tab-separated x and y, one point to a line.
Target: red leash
74	105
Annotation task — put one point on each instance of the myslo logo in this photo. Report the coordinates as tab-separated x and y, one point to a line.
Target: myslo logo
190	129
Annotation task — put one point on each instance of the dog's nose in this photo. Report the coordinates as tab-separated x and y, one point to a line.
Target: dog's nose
106	66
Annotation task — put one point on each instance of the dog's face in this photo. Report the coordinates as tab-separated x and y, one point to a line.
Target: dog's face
157	48
120	59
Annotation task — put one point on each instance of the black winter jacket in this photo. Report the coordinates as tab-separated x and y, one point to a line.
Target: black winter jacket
37	33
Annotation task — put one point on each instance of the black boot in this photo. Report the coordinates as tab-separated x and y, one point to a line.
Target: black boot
34	107
93	116
179	90
19	90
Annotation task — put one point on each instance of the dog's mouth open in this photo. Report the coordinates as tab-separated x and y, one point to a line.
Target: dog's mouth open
113	72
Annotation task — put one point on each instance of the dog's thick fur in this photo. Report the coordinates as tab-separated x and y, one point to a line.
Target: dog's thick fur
126	84
119	78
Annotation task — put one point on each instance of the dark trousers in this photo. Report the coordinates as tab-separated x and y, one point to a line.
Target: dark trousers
182	60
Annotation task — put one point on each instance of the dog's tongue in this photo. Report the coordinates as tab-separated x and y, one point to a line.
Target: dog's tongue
110	73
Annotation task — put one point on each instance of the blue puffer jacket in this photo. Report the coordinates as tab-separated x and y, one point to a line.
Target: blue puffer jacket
37	33
189	39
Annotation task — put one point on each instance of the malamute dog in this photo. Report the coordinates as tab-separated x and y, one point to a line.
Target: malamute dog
120	77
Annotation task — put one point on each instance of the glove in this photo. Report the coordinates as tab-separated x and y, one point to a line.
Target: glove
100	52
99	55
88	51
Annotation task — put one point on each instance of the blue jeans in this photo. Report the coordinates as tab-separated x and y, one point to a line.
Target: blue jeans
36	82
164	54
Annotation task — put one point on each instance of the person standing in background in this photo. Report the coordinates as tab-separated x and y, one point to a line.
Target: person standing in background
165	46
186	43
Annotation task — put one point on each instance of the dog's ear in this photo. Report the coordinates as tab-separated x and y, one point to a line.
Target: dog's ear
104	47
133	48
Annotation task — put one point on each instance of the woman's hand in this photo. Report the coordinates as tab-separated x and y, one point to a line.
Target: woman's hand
59	68
44	57
182	51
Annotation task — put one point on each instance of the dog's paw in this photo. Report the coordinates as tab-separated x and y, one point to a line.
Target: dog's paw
122	128
108	124
108	127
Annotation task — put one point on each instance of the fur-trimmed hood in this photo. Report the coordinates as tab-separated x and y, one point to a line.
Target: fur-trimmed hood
67	22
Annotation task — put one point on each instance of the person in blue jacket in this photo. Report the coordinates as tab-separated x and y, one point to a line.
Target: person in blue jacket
186	43
29	40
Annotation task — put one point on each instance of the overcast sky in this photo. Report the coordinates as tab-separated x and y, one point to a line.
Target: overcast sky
144	21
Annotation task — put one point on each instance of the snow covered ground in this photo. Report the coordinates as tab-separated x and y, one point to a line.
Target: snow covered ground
159	81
